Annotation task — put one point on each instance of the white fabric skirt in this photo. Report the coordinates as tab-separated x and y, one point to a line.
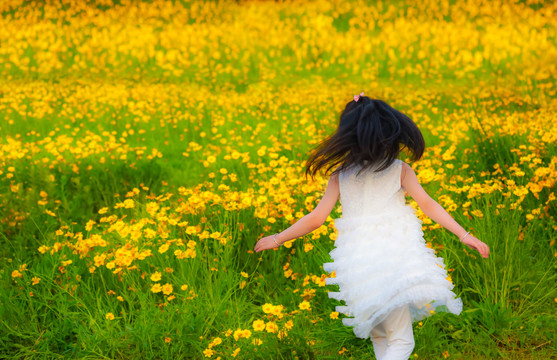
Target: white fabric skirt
382	263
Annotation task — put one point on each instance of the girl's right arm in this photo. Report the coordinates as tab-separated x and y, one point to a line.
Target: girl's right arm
308	223
436	212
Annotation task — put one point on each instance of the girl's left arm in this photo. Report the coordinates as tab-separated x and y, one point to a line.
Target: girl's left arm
308	223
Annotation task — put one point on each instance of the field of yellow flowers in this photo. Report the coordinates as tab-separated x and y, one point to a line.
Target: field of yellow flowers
145	146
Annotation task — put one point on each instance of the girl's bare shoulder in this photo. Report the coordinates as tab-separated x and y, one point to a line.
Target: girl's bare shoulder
405	168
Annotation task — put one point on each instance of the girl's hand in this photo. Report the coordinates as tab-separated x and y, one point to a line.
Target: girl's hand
476	244
265	243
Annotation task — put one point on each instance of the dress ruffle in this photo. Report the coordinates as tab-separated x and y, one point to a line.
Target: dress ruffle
381	262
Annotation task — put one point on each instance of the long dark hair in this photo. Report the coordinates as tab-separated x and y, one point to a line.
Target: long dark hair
370	134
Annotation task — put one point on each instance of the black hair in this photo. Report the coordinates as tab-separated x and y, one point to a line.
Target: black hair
370	134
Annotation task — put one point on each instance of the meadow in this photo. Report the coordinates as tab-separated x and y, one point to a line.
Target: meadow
145	147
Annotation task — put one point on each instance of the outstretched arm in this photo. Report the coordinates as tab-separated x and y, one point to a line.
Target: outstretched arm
436	212
308	223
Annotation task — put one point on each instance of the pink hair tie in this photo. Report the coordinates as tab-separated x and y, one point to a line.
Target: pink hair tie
357	97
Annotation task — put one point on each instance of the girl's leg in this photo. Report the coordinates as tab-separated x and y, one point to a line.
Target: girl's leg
399	333
379	340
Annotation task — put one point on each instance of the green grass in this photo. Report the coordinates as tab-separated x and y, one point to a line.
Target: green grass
509	298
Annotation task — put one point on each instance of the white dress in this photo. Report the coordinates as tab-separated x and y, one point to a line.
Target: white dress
380	258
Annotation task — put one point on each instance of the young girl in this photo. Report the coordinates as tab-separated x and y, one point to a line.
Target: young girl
387	276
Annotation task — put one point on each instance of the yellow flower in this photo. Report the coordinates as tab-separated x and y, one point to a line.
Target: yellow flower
216	341
89	225
334	315
521	191
238	334
271	327
235	352
258	325
35	280
99	259
156	288
267	308
156	276
66	263
110	316
17	274
208	352
277	310
304	305
167	289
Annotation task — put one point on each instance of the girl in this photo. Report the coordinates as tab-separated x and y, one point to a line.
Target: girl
387	276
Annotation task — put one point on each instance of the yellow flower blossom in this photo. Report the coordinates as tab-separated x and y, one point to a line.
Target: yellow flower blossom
258	325
268	308
208	352
216	341
239	334
305	305
156	276
271	327
167	289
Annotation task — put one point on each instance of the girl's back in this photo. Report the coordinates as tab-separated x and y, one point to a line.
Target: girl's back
371	194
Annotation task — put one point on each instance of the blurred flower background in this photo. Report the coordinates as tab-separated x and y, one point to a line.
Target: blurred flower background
145	146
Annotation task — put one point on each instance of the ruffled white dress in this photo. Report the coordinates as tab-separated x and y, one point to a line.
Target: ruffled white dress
380	258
